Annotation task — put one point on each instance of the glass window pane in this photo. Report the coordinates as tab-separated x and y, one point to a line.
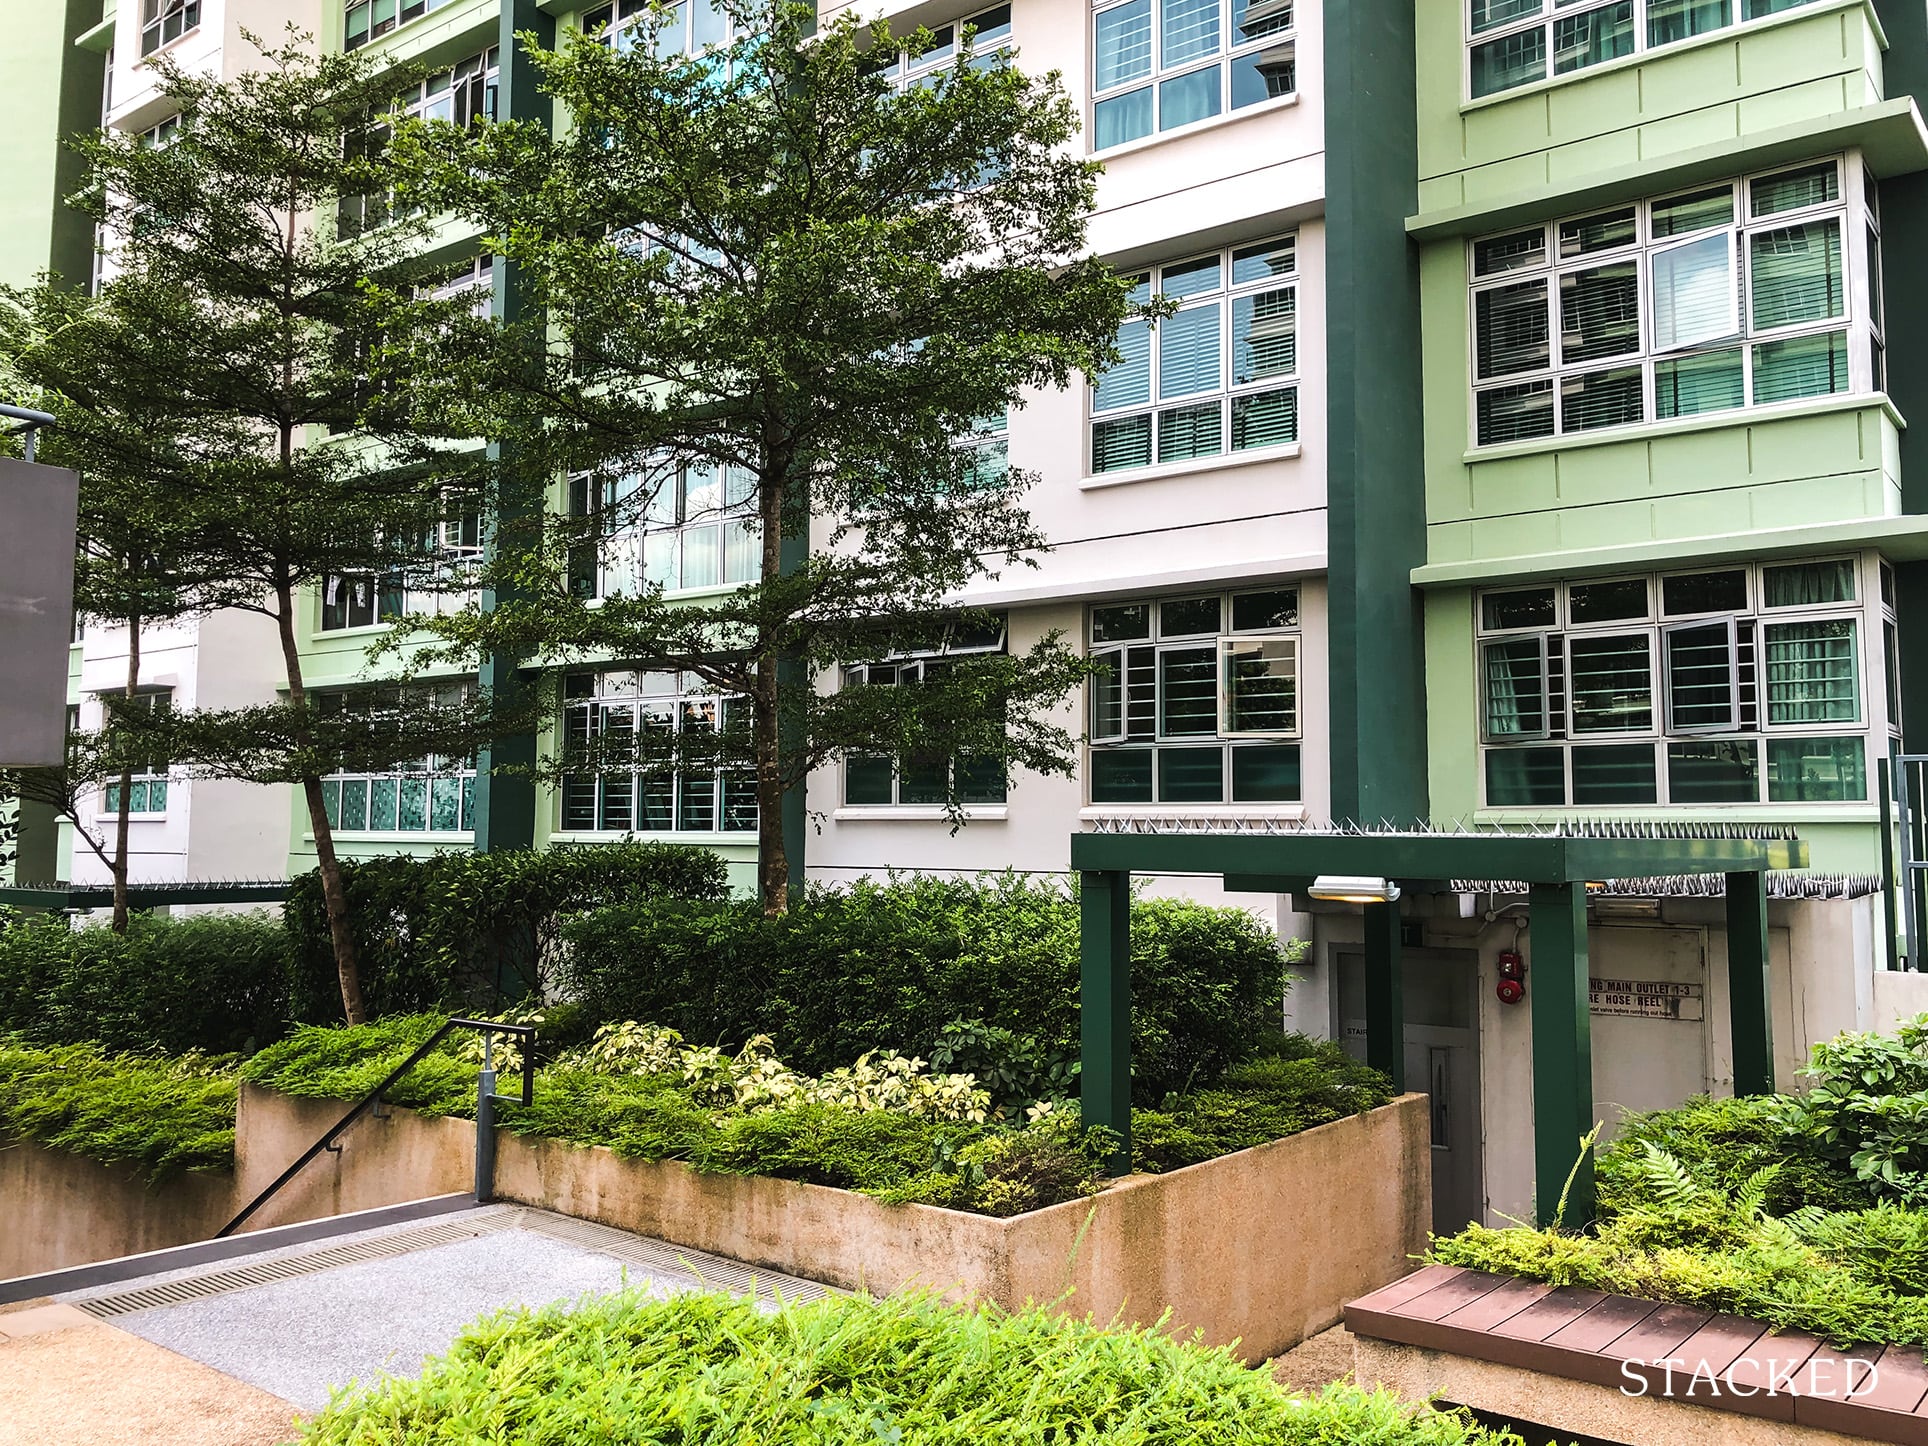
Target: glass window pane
1261	685
1512	252
1121	775
1121	118
1188	352
468	806
1602	399
1128	384
1801	366
1606	602
1711	772
1524	608
1510	329
1256	611
1703	592
1188	98
1695	300
1790	190
1264	336
1188	617
1671	20
1812	674
1695	211
702	556
697	802
742	553
1808	583
1711	382
1187	432
1266	74
411	806
1700	664
1121	624
1263	262
354	804
1515	689
330	801
617	814
1187	693
980	780
1517	59
1604	232
712	25
1516	413
1190	278
1794	274
1816	770
1525	778
1188	30
382	793
1611	683
1266	775
1622	774
1123	44
578	803
925	781
1589	39
739	801
1191	775
1489	14
1265	419
656	803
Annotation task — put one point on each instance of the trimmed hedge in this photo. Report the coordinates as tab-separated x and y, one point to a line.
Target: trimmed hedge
215	982
468	930
887	966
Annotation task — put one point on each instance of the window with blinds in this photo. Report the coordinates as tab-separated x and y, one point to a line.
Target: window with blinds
1511	43
1159	65
1220	374
1738	684
1722	297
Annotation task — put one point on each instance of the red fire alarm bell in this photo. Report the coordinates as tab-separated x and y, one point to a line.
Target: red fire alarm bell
1512	986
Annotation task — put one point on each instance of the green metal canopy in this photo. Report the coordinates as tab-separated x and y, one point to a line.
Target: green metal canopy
1555	864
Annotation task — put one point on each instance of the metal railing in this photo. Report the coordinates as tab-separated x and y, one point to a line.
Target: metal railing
33	422
1904	842
486	1100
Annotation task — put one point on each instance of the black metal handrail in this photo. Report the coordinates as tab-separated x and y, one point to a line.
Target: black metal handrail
525	1032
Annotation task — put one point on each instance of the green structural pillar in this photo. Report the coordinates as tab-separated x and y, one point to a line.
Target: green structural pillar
1748	1011
1104	999
1562	1052
1385	994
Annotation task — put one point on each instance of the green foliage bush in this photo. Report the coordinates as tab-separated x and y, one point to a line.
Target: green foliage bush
160	1115
214	982
465	930
710	1370
1867	1110
890	965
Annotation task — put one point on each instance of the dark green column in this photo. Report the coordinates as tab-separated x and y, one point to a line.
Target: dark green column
1562	1051
1104	1001
1748	1010
505	802
1385	994
792	675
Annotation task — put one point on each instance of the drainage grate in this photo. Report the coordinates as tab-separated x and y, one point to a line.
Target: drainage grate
219	1282
650	1255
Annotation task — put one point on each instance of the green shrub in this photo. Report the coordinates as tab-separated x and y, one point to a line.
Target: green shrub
710	1370
215	982
1867	1110
160	1115
891	965
467	930
1722	1144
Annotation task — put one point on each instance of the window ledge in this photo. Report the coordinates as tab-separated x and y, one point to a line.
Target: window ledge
1210	123
1189	467
1639	57
131	818
1101	812
1853	812
322	635
366	835
918	813
1677	426
746	838
163	49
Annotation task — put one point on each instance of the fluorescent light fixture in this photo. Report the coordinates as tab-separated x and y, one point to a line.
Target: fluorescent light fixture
1354	889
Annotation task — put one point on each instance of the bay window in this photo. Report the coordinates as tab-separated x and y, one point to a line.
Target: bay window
1516	42
165	21
680	528
451	550
1161	64
1220	374
431	794
653	747
990	39
1196	699
1736	684
1748	292
877	780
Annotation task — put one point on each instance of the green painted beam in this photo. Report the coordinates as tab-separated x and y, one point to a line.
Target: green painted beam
1557	987
1385	994
1104	1004
1268	883
1748	1010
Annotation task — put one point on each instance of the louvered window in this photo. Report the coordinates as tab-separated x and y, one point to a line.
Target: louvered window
654	753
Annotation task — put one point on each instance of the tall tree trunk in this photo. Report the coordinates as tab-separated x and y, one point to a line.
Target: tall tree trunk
772	858
334	897
118	868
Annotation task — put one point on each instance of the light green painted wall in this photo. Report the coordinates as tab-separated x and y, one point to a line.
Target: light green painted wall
48	89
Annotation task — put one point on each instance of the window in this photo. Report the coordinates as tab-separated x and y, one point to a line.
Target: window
661	737
429	795
1195	699
452	548
1220	374
1722	297
370	19
1513	42
1162	64
147	784
683	528
991	38
159	137
465	94
165	21
687	27
1736	684
873	779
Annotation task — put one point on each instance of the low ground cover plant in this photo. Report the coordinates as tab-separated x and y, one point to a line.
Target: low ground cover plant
1800	1210
710	1370
162	1115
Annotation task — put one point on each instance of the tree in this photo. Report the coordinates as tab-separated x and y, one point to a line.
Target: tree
768	264
240	321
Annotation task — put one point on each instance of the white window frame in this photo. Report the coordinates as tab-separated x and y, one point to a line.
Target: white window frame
619	689
618	20
622	561
859	675
149	774
993	39
1229	392
1849	211
158	15
1225	59
385	18
434	772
